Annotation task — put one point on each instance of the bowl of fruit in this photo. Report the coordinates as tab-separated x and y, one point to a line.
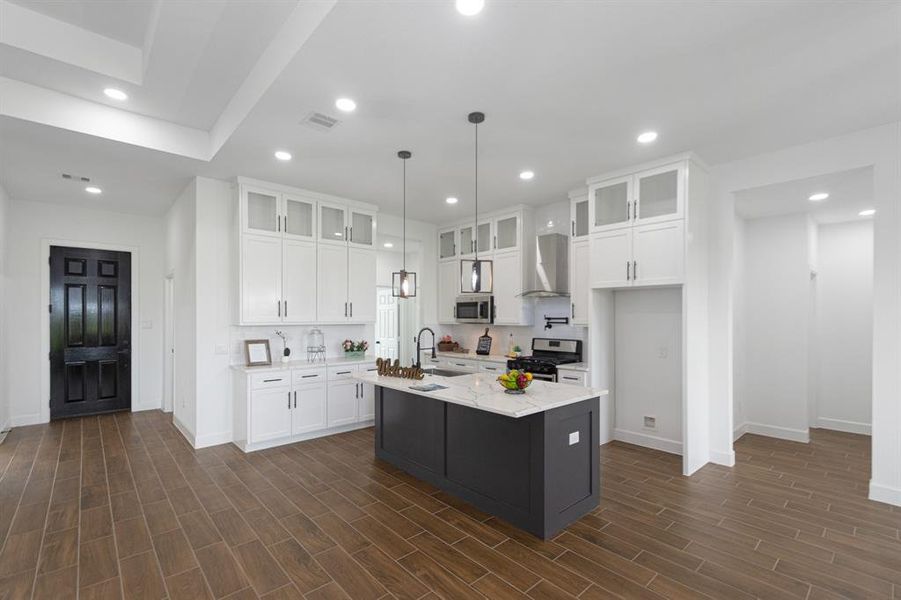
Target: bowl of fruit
515	382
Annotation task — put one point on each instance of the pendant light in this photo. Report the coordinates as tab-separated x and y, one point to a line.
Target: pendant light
476	276
403	282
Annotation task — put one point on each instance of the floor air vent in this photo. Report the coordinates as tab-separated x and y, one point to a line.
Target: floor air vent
320	121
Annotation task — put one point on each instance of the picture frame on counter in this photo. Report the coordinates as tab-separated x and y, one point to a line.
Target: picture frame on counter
257	353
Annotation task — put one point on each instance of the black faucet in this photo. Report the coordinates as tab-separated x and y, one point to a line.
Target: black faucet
418	362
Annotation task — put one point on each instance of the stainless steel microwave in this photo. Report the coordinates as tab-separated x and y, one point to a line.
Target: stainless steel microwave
474	308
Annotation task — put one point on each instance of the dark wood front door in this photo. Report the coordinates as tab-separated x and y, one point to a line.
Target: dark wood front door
90	331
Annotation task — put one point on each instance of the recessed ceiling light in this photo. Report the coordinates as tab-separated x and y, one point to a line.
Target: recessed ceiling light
868	212
338	234
282	155
451	200
526	175
115	94
550	223
470	8
647	137
345	104
93	189
818	196
388	245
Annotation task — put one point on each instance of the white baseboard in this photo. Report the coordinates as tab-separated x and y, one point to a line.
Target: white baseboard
846	426
152	405
648	441
213	439
783	433
884	493
24	420
243	445
739	431
727	459
183	430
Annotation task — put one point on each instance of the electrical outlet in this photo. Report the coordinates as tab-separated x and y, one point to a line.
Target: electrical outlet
650	422
573	438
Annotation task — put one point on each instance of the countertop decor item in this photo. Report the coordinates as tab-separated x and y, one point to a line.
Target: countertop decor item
476	275
355	349
286	352
388	369
315	345
515	382
403	282
447	344
484	345
256	353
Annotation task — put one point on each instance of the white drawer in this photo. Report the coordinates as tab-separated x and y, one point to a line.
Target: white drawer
344	372
263	381
308	376
571	377
492	367
367	367
461	364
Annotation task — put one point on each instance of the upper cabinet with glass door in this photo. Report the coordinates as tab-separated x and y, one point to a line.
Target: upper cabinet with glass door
361	228
342	225
447	244
299	217
261	211
659	195
507	232
579	222
610	204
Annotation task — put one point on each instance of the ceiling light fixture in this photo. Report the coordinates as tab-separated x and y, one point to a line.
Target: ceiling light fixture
867	213
388	245
282	155
647	137
527	175
451	200
403	282
470	8
345	104
818	196
115	94
476	276
92	189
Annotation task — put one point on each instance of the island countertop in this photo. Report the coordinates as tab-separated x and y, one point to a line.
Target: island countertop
481	391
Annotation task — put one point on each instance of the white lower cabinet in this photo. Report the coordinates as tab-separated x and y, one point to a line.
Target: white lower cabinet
309	408
572	377
342	402
270	414
366	400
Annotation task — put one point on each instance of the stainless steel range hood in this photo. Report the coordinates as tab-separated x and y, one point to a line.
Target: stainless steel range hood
551	267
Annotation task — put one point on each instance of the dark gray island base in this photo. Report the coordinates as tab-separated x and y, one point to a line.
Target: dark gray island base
538	472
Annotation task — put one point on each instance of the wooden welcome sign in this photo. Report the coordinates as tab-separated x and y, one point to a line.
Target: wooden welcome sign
395	370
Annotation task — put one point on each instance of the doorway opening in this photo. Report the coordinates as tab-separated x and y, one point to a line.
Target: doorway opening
90	331
387	325
169	345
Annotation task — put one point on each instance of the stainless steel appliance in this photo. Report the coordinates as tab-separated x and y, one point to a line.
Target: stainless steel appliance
551	267
547	353
474	308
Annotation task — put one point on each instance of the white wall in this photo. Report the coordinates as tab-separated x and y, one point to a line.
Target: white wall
4	379
776	324
181	266
648	366
30	223
739	334
845	326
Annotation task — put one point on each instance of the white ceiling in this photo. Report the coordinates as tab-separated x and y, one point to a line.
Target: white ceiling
565	87
122	20
849	193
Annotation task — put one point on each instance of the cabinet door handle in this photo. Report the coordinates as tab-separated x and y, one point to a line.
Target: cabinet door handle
351	310
574	228
343	373
635	209
289	400
279	303
570	378
573	311
308	376
628	210
495	242
634	270
286	308
345	309
271	380
295	399
628	271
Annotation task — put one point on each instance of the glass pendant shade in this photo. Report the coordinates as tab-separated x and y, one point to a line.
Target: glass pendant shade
476	276
403	284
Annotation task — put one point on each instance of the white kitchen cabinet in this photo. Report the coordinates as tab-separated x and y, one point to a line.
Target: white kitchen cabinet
270	414
448	290
331	284
507	232
611	259
361	228
447	244
462	364
298	273
659	194
260	211
492	367
571	377
610	204
361	283
366	399
658	253
469	240
261	279
579	288
579	221
309	407
343	396
332	224
298	218
508	305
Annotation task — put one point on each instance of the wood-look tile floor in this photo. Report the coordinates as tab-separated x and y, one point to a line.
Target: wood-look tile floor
121	507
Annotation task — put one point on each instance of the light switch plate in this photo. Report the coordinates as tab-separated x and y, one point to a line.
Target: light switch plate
146	324
574	438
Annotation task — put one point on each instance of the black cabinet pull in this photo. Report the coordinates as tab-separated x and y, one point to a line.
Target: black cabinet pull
271	380
279	303
343	373
308	376
286	308
634	270
571	378
295	399
289	400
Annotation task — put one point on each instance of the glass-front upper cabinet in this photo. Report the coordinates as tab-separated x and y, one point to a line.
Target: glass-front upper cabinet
299	218
260	211
484	237
447	244
579	215
362	228
659	194
467	240
507	233
610	204
332	222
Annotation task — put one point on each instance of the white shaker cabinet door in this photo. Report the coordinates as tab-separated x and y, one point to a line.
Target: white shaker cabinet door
331	288
261	282
342	402
309	408
361	281
611	259
507	284
270	414
579	289
448	290
299	282
658	253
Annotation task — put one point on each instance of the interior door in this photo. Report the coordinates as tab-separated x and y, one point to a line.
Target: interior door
298	282
331	283
386	330
90	331
261	281
361	284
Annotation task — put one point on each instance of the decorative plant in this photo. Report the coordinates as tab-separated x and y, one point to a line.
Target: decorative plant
285	350
352	346
447	339
517	349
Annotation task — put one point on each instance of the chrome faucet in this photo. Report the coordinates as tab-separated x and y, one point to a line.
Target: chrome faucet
419	349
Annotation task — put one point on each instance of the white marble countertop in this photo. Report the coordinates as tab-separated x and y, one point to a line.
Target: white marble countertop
481	391
579	366
498	358
335	361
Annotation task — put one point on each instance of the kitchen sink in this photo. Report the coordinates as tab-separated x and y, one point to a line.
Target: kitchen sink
444	372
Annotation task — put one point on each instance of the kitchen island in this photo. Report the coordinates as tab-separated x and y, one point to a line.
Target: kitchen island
530	459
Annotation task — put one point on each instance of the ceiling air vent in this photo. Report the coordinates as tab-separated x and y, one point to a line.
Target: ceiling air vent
70	176
320	121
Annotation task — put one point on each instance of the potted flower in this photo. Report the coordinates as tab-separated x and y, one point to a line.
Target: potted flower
354	349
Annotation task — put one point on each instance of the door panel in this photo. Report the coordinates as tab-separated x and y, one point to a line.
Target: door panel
309	413
658	253
611	259
448	290
90	331
342	402
298	282
331	288
579	288
261	281
507	284
270	414
361	284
